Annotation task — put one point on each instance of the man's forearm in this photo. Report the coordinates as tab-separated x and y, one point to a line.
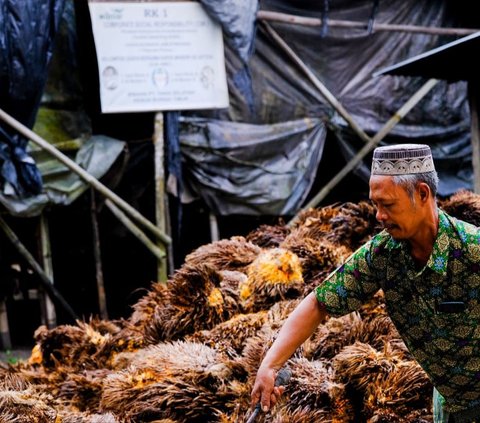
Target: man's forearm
299	326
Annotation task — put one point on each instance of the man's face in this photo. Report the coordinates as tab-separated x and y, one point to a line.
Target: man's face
395	209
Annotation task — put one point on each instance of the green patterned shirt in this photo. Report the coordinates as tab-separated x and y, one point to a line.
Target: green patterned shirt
446	345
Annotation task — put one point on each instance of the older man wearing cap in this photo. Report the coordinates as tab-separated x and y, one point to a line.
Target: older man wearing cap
428	265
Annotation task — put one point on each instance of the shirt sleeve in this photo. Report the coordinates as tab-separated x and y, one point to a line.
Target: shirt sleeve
350	285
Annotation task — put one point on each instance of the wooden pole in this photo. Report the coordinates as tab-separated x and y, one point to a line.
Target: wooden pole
473	97
160	211
5	339
46	249
422	92
95	183
317	83
97	253
44	279
266	15
214	232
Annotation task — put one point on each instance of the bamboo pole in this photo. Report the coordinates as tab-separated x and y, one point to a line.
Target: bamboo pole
5	340
160	209
214	232
102	298
135	230
266	15
317	83
95	183
46	251
474	133
422	92
44	279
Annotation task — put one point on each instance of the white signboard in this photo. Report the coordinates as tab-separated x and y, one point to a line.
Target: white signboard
158	56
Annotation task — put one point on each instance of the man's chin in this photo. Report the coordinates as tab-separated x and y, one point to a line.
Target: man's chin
393	232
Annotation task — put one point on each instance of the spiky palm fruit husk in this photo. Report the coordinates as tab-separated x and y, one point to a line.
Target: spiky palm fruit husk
70	345
275	275
377	330
235	253
375	306
385	415
464	205
230	337
404	388
80	346
158	297
266	236
184	381
255	349
360	364
192	300
230	283
312	387
26	406
317	255
82	390
331	337
72	416
279	312
12	379
318	218
298	415
157	306
354	224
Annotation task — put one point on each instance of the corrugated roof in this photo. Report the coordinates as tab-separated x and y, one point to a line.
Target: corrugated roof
453	61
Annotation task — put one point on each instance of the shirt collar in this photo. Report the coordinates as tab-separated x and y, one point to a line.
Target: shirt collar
438	260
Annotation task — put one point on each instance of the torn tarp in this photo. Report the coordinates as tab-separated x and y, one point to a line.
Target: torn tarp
239	168
62	186
238	20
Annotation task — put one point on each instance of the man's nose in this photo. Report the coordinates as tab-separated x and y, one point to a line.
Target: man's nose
381	215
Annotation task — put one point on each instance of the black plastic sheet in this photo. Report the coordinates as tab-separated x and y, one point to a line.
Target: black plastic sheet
344	60
27	33
240	168
238	21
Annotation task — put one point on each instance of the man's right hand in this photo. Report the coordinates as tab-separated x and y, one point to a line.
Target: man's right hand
297	328
264	389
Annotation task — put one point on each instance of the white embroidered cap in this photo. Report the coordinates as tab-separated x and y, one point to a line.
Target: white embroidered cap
402	159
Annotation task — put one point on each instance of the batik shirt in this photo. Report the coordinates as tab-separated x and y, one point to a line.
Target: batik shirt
446	345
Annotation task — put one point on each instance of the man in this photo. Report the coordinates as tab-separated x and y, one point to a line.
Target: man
428	265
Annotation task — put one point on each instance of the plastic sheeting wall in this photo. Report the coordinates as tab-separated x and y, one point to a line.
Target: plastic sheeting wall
240	168
344	61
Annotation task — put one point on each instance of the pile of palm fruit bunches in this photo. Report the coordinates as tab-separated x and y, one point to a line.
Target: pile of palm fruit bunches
191	347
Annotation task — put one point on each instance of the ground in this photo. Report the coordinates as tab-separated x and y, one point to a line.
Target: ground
13	356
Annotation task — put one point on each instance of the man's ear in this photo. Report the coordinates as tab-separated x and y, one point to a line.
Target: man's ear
424	191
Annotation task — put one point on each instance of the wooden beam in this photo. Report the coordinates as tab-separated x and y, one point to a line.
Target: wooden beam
422	92
266	15
48	307
160	205
317	83
135	230
5	340
97	254
44	279
91	180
